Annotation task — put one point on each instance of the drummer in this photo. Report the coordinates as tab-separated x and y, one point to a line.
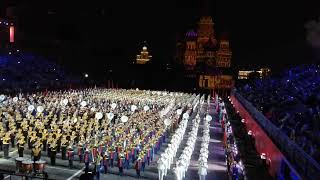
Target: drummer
58	139
97	164
49	142
21	142
64	144
111	156
36	151
80	151
106	161
138	166
87	159
12	135
121	160
5	142
70	156
53	149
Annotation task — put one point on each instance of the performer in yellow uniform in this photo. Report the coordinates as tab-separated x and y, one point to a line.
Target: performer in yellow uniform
5	142
21	143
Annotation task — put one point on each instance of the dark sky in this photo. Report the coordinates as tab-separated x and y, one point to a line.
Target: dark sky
262	33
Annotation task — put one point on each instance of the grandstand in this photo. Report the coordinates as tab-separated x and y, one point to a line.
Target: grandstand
292	103
27	72
283	112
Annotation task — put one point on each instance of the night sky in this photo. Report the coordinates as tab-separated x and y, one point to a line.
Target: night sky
98	34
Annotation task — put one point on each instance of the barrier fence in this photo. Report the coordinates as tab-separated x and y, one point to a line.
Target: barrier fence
306	166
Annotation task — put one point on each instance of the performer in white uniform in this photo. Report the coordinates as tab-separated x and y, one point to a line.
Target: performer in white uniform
202	170
161	169
177	171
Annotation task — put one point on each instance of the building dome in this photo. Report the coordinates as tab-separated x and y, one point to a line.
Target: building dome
144	48
191	35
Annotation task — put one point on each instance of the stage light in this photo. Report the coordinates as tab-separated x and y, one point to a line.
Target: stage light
3	79
86	75
243	120
57	79
250	133
18	62
10	52
18	50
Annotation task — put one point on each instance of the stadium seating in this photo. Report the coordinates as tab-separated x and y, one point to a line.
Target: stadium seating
22	72
292	103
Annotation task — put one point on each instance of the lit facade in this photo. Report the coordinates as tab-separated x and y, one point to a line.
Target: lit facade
206	58
223	81
144	56
202	46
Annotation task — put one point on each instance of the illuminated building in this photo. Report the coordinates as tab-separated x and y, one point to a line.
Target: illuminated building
206	59
203	47
144	56
245	74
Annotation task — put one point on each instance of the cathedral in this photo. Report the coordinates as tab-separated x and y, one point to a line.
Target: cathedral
206	59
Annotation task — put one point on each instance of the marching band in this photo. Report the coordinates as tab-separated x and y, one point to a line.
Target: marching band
101	127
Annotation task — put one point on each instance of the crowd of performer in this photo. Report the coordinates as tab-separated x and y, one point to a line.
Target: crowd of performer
100	127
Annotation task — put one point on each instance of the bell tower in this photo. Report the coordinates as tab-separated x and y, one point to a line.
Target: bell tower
205	29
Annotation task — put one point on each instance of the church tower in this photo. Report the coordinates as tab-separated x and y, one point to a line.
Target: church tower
190	55
205	34
224	54
205	29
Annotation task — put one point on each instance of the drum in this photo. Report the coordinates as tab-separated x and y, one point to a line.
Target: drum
39	166
27	166
19	161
